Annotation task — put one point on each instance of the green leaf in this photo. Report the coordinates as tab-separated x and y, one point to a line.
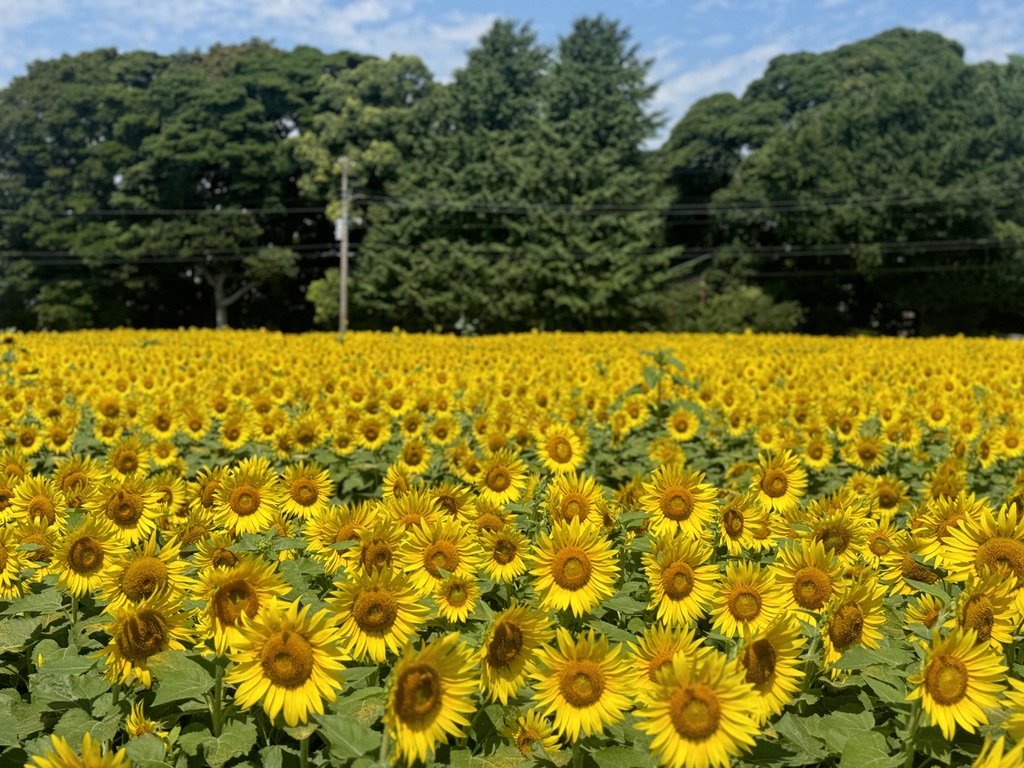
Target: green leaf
236	739
178	677
346	737
801	735
503	757
624	604
868	749
622	757
49	601
15	634
932	589
612	632
146	749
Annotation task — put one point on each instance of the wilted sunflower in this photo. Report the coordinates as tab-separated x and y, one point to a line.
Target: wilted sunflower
378	611
245	499
83	555
560	449
770	661
699	714
139	632
530	730
584	683
504	553
130	505
570	495
961	677
289	659
502	478
230	593
429	549
575	567
654	651
683	583
807	574
678	501
780	482
62	755
142	574
748	599
429	696
508	653
307	490
853	617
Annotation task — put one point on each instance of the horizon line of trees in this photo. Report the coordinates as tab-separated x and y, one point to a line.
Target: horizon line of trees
871	188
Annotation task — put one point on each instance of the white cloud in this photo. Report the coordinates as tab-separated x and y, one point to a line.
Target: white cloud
995	30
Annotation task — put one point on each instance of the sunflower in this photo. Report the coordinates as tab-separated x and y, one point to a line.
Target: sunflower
231	593
61	754
574	567
941	517
747	600
508	653
867	452
137	724
993	542
986	605
13	561
584	683
904	564
560	449
808	574
143	574
371	432
377	550
770	661
127	457
235	429
683	424
841	528
307	489
504	551
960	678
699	714
327	529
890	495
570	495
880	541
29	439
502	478
246	498
682	581
83	555
1015	698
429	696
529	731
455	597
443	430
678	501
430	548
995	755
138	633
818	451
289	659
202	492
414	456
925	610
739	519
852	617
781	481
378	611
37	499
213	551
655	649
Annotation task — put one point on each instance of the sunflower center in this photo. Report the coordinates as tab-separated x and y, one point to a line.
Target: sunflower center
448	504
143	577
232	598
142	635
879	546
3	557
571	569
695	712
413	455
287	659
499	479
867	452
816	451
560	449
946	680
744	603
45	553
375	610
376	554
581	682
126	462
505	645
125	508
304	491
440	554
680	423
418	694
457	595
655	665
574	505
678	580
887	497
978	615
1001	554
911	569
223	558
811	587
505	551
759	659
676	502
244	500
85	556
834	538
72	479
774	483
41	508
846	626
732	523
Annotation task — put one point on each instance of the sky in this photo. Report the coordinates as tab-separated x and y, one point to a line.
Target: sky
699	47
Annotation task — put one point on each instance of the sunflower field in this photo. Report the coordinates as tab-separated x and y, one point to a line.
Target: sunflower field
606	550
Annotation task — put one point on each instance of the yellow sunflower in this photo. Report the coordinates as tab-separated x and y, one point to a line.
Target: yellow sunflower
699	714
575	567
455	596
138	633
231	593
739	519
429	696
140	574
570	495
683	582
780	482
508	653
560	449
131	505
1015	698
414	456
504	553
770	661
678	501
378	549
986	605
245	499
127	457
655	649
853	617
289	659
62	755
377	611
12	562
326	531
502	478
941	517
83	555
807	574
994	542
306	489
747	600
584	683
37	499
995	755
960	679
683	424
445	545
528	730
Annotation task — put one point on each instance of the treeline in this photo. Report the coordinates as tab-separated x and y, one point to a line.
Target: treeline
875	187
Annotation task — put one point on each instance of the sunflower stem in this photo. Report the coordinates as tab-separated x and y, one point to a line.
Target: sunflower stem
74	610
385	748
304	752
116	692
915	719
577	755
217	702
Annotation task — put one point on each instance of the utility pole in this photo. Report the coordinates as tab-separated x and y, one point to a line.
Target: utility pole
341	229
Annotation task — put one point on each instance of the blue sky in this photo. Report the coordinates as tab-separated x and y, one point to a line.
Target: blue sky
700	47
